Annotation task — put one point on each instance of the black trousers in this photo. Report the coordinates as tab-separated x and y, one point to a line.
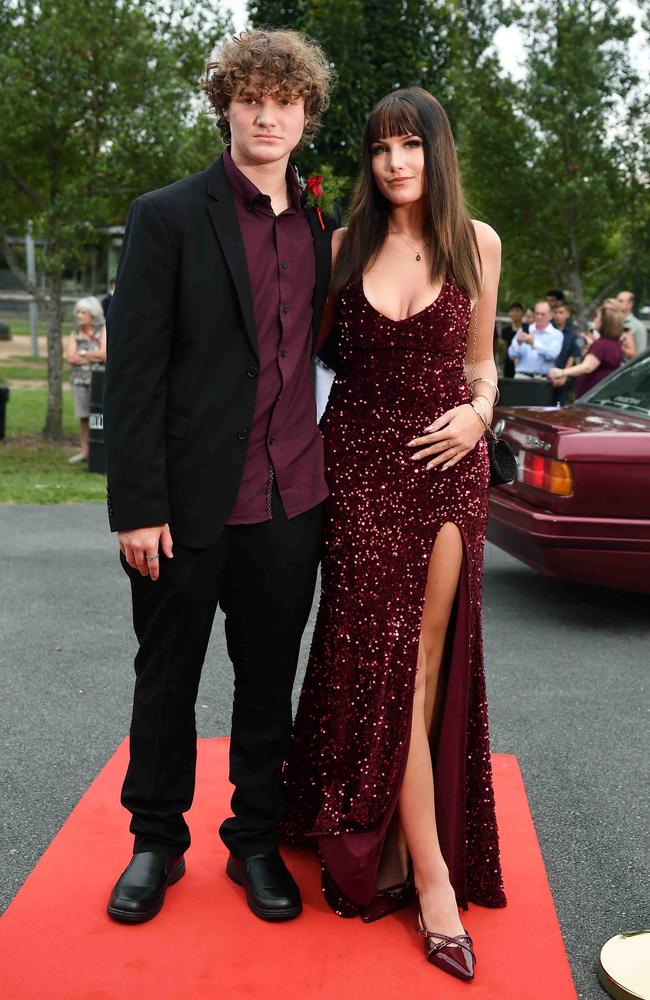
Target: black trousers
263	576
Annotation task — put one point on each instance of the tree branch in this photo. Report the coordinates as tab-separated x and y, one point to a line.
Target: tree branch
601	267
21	274
22	185
614	283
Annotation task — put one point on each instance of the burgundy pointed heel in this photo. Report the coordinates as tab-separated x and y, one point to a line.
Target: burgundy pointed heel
389	900
451	954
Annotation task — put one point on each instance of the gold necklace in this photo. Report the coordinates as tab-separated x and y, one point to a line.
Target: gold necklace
418	253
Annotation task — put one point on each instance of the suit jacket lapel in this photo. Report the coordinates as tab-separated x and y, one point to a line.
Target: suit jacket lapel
323	253
221	208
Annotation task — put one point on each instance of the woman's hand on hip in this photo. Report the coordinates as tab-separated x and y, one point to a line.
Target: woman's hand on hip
449	438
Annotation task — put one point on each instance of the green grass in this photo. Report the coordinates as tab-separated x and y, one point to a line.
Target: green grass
35	471
20	327
12	372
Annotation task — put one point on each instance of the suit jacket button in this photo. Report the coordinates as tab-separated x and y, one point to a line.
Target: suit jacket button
242	435
252	372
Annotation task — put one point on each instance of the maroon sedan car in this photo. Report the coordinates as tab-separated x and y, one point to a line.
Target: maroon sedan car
579	508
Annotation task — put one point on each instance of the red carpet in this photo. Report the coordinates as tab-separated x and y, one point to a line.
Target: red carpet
56	943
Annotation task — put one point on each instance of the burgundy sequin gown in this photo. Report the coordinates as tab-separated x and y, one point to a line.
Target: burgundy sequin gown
352	728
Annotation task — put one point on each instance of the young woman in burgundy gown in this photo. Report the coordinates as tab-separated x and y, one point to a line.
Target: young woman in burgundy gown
389	772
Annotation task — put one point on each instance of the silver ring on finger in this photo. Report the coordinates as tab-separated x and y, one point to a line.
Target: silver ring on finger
151	556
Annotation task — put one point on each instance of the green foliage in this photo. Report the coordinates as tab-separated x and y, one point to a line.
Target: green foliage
554	161
374	47
274	14
98	104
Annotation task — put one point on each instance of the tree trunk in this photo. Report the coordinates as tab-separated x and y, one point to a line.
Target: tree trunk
53	429
575	283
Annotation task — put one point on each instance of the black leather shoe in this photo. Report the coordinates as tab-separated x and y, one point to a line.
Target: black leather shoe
140	891
271	891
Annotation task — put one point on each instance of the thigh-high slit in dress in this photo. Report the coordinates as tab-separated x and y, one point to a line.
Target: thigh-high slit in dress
352	729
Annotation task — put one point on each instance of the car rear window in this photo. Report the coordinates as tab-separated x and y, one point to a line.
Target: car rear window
626	389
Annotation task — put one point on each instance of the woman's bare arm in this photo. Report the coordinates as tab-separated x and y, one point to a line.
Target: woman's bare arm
589	364
329	311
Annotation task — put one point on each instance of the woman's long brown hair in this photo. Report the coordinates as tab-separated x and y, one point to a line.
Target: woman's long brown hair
611	323
454	249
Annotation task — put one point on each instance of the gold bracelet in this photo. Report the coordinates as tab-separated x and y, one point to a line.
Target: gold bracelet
487	419
475	399
480	395
479	415
489	382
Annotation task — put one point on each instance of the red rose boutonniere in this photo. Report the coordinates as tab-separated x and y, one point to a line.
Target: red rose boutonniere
317	197
315	186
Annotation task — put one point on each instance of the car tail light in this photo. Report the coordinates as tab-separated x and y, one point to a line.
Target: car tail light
546	474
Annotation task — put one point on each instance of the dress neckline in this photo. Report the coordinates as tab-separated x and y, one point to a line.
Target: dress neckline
404	319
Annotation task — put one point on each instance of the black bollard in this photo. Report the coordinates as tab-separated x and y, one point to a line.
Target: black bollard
96	453
4	398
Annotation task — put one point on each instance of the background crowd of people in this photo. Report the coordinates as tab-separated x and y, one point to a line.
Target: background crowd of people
544	341
541	341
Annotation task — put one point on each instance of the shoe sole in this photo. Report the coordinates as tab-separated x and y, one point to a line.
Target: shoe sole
128	917
260	911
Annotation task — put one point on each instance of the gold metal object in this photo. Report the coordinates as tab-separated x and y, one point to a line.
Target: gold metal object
624	966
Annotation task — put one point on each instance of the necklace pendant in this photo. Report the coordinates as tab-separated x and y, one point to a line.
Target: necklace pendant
418	257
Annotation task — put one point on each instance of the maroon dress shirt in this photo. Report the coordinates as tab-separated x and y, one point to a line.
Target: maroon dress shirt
284	443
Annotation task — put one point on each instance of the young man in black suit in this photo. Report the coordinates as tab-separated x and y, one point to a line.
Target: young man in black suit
215	463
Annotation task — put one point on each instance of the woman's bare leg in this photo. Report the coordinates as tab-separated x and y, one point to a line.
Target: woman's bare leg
394	864
83	435
417	805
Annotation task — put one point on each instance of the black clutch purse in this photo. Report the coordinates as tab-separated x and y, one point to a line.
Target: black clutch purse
503	464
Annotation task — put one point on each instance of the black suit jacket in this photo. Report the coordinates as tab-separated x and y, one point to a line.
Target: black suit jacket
182	365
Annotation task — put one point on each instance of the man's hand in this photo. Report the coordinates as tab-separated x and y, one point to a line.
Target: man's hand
141	548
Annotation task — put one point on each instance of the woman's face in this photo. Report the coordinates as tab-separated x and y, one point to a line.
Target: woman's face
598	318
398	168
83	317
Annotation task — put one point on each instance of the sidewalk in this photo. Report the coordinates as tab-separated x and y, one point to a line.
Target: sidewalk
21	346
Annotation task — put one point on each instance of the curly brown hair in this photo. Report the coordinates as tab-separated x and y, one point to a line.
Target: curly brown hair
287	63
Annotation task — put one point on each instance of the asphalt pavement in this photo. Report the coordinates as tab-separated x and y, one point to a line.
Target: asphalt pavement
567	670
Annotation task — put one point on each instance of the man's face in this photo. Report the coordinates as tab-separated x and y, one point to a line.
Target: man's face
561	315
552	301
542	315
624	303
516	315
264	127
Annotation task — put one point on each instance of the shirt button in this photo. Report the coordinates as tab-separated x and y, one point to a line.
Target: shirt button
283	354
284	265
285	309
252	372
242	435
271	440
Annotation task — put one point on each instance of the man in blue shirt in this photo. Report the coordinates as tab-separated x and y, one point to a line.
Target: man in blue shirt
534	352
570	352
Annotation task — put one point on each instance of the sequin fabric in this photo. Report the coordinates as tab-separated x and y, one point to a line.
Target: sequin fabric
381	520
